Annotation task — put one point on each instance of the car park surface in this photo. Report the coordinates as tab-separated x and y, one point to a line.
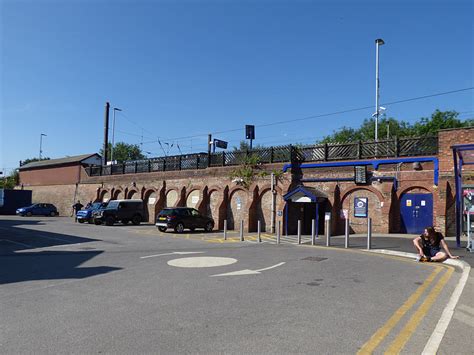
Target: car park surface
73	288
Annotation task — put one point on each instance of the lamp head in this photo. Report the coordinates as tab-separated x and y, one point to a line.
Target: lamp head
379	41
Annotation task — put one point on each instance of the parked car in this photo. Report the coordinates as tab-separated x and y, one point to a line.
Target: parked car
86	214
120	211
181	218
38	209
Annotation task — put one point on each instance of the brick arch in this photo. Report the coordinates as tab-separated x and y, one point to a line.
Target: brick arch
215	205
214	188
101	194
150	210
130	192
367	188
234	215
178	198
424	187
193	189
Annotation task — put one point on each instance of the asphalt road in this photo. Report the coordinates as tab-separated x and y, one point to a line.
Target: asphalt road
71	288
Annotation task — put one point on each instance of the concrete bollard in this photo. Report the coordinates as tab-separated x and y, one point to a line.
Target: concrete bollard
225	229
369	233
313	231
299	232
259	232
278	232
242	231
346	234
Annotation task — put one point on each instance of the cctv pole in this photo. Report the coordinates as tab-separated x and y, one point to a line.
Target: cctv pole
106	133
209	143
41	145
378	43
113	136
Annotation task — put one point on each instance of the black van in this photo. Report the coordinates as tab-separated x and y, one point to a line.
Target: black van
120	210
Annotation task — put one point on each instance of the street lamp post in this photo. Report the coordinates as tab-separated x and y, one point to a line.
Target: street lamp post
378	42
113	136
41	144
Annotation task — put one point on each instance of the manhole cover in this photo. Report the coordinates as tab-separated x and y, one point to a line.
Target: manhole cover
314	258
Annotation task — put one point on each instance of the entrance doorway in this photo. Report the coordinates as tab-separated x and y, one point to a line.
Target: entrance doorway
416	212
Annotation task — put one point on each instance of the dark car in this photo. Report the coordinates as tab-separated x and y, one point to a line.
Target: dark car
120	211
86	214
181	218
38	209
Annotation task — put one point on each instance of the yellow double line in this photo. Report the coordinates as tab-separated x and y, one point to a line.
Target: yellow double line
406	333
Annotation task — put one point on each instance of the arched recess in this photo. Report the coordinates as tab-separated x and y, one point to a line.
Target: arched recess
133	193
117	194
237	208
172	198
380	222
263	206
193	198
150	201
104	196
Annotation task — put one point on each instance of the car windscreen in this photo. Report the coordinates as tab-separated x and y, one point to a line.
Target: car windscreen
96	205
112	205
167	212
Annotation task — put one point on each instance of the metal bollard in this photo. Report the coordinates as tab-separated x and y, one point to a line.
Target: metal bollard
313	231
242	231
278	232
225	229
299	232
259	231
369	233
328	233
346	240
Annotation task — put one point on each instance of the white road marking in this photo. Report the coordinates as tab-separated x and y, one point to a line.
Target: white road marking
201	261
57	239
434	341
22	244
248	272
172	253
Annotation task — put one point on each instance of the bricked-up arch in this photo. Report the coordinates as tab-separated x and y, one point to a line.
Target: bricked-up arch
237	209
193	198
150	201
215	206
415	189
172	198
104	195
375	197
133	193
263	206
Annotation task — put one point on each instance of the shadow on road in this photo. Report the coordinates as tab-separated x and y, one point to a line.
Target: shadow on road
18	263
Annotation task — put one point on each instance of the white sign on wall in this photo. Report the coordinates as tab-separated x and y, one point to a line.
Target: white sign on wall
194	199
151	200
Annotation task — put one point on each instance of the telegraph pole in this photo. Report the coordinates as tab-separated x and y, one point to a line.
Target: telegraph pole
106	133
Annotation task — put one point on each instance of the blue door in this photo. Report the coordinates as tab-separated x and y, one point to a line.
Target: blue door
416	212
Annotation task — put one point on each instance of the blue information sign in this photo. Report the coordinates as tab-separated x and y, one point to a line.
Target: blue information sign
361	207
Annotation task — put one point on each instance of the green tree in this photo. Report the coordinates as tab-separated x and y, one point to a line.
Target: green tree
425	126
10	181
245	145
124	152
31	160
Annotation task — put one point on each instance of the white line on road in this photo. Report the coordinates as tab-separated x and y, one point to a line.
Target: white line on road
248	272
464	318
22	244
172	253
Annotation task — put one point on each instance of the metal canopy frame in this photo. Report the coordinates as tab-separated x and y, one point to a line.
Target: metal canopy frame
459	161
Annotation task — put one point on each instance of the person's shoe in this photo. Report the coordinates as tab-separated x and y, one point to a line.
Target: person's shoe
425	259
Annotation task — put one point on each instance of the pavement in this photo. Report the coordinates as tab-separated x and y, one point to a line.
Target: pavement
66	287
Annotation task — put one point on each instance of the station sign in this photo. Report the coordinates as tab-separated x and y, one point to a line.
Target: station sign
360	174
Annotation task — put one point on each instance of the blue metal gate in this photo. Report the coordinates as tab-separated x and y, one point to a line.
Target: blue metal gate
416	212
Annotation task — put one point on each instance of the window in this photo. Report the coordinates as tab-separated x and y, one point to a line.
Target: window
194	212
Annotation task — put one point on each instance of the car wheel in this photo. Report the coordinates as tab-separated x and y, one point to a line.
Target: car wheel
136	219
109	221
179	228
28	214
80	220
52	214
162	229
97	222
125	221
209	227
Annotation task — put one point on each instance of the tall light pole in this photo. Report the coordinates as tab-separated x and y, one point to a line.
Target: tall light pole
113	136
378	42
41	144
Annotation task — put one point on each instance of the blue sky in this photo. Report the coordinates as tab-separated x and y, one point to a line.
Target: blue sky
187	68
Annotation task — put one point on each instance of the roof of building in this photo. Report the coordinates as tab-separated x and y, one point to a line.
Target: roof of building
60	161
311	192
